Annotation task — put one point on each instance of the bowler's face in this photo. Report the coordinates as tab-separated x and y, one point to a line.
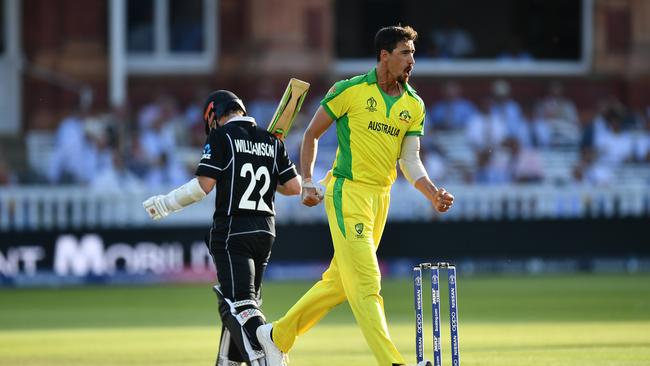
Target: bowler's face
401	61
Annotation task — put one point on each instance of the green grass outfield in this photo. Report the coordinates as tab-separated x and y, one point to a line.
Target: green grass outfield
593	320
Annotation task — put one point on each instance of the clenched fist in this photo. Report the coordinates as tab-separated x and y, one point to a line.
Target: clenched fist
442	200
311	195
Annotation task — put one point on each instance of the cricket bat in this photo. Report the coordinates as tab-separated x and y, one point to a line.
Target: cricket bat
288	108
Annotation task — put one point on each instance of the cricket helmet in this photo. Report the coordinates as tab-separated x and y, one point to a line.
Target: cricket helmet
217	103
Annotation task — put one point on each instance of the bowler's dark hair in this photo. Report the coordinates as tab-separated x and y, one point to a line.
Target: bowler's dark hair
388	37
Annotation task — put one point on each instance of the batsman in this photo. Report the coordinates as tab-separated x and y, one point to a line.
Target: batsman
379	120
247	165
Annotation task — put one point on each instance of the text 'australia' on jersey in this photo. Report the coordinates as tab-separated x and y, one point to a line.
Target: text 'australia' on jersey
370	128
248	163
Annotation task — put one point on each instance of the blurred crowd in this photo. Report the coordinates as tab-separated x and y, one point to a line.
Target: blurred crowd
508	139
503	141
123	149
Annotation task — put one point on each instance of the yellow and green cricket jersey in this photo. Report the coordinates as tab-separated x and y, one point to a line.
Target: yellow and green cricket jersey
370	127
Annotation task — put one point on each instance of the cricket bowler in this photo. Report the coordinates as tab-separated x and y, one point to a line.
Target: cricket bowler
379	120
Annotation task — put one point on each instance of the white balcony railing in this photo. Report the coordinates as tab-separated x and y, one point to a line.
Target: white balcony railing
69	208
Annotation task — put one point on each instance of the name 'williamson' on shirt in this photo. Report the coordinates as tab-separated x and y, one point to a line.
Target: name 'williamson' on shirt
254	148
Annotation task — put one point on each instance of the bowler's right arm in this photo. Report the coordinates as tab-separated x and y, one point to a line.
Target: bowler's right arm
308	150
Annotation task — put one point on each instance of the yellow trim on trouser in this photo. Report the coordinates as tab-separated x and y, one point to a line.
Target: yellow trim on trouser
353	274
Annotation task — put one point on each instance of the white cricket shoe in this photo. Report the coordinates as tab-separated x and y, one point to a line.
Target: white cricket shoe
274	357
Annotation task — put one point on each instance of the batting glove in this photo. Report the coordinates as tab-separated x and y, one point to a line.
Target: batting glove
156	207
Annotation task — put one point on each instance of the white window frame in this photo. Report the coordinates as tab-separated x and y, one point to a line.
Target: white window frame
4	23
490	67
11	63
162	60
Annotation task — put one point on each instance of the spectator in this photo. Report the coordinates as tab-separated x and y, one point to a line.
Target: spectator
138	161
589	171
560	114
81	150
452	112
163	118
491	168
158	124
118	124
594	133
98	155
591	131
642	143
615	146
116	177
485	130
70	142
525	162
535	131
506	108
166	172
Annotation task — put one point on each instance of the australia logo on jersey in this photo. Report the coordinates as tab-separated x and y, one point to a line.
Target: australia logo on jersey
371	104
207	152
405	116
359	229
